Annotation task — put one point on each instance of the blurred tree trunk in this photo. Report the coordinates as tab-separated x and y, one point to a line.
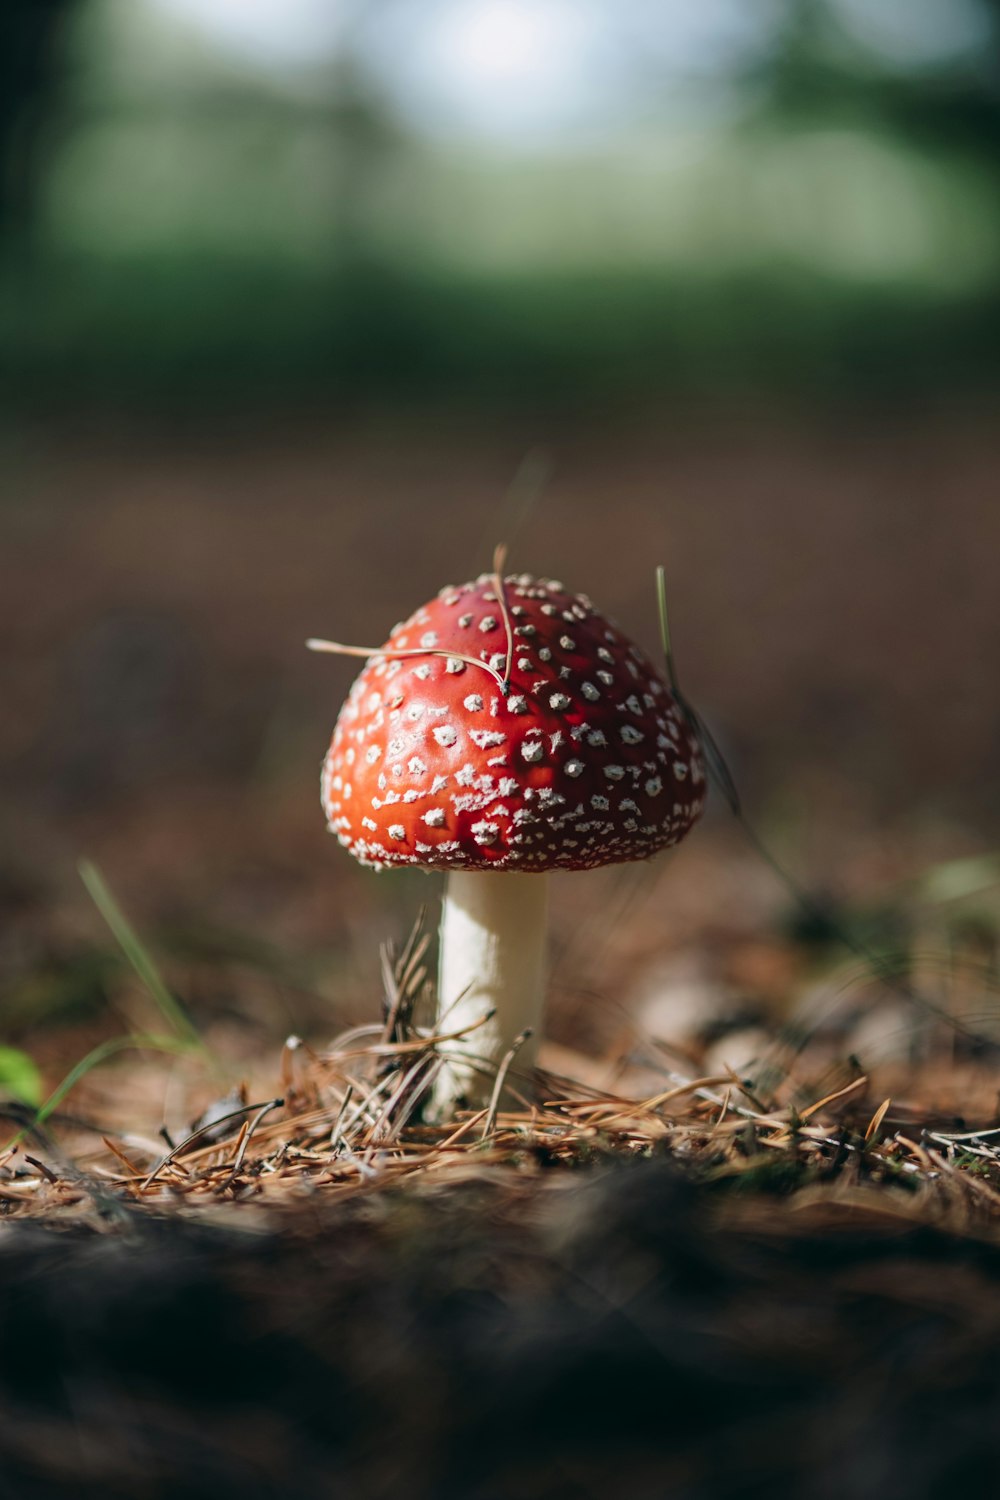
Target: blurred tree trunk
30	78
953	102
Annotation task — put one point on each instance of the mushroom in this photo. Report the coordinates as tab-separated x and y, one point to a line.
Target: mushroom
504	730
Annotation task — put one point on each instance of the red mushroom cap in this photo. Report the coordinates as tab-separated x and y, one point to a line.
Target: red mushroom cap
587	758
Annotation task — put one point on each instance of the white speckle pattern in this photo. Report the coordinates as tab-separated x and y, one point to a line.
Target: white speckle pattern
539	788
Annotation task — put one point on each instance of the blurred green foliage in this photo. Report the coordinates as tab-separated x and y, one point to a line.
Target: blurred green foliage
19	1077
179	332
182	233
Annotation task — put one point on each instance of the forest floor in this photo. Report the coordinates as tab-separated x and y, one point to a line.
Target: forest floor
744	1237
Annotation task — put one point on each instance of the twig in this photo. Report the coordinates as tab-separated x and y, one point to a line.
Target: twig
502	1071
249	1126
195	1135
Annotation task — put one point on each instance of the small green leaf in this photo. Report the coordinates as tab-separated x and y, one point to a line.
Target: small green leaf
19	1077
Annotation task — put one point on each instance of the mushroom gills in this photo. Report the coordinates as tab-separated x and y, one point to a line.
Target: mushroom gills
492	958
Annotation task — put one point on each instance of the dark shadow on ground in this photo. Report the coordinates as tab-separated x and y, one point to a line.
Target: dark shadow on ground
615	1335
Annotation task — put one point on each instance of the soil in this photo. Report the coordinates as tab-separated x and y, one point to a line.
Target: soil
615	1333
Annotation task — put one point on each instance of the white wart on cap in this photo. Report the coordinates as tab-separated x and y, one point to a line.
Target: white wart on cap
586	759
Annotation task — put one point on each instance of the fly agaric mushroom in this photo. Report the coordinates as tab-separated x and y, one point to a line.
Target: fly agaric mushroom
505	730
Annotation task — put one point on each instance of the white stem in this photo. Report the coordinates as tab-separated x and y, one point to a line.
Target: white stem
492	959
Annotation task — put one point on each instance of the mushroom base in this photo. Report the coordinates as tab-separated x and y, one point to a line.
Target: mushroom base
493	928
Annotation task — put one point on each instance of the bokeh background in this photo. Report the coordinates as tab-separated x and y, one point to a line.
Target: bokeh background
291	293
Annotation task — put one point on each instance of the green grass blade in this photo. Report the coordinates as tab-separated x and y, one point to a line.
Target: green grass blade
100	1054
661	602
128	940
719	773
